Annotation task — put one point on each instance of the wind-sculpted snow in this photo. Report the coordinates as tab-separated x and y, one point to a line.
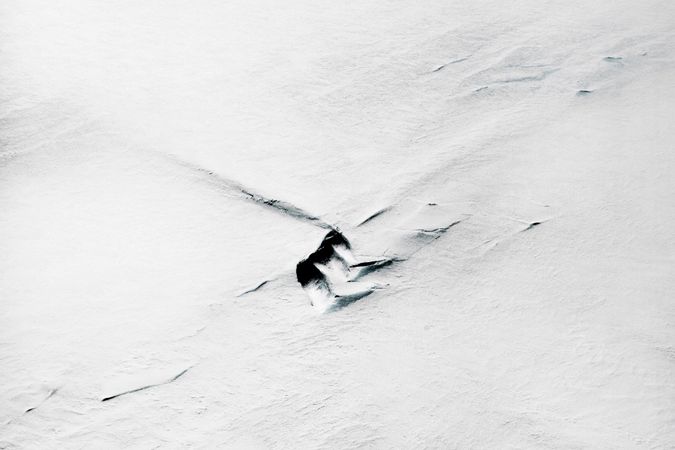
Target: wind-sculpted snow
332	275
232	187
49	394
337	225
443	66
325	272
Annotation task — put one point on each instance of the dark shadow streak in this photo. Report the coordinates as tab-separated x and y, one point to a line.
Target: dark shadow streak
237	188
532	225
254	288
439	68
374	215
368	267
342	301
51	393
146	387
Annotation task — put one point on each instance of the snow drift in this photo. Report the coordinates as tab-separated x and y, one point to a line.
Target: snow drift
501	174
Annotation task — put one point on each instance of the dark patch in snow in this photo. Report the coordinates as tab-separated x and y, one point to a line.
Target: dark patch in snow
314	271
612	58
171	380
336	239
582	92
308	274
331	277
306	271
532	225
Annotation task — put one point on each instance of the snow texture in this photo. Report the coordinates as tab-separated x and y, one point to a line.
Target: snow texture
174	177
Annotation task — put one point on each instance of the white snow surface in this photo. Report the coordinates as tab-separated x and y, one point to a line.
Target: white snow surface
542	131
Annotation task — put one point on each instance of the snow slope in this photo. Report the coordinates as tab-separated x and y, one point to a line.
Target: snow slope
513	159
